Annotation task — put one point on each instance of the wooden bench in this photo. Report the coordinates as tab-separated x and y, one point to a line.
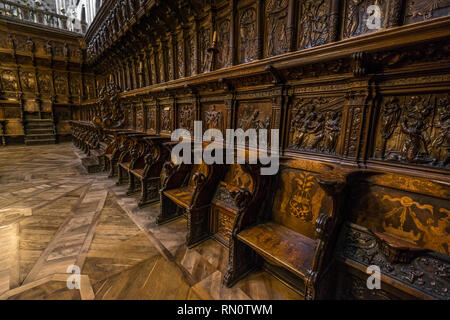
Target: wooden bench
149	157
119	145
240	181
187	188
126	158
292	235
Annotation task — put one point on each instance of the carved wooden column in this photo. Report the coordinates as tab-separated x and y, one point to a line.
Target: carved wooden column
133	61
140	71
260	29
233	40
163	60
359	100
173	61
334	21
197	67
291	26
155	64
128	74
148	67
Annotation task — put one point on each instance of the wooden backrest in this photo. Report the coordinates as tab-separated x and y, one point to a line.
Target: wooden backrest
415	210
299	198
201	168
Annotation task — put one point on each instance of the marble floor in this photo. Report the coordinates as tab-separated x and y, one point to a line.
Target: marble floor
61	227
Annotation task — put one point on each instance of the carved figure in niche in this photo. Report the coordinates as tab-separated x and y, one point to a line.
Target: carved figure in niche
300	203
186	116
204	45
213	119
277	37
30	45
391	116
224	44
191	55
352	17
332	129
165	119
442	140
314	23
45	83
248	35
180	56
249	120
151	119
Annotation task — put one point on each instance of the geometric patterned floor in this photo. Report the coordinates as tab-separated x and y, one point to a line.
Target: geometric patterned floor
54	216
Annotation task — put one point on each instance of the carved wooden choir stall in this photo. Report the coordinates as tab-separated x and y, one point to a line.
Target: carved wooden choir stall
363	117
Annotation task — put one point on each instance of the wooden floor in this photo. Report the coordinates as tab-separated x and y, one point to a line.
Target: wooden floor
54	215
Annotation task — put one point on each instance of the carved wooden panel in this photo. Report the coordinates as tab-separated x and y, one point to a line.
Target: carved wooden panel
315	125
213	116
190	56
204	44
28	81
165	119
314	23
418	219
45	83
140	124
356	16
151	117
31	106
248	43
276	27
298	201
223	44
254	115
414	129
60	83
75	85
185	117
224	221
9	80
419	10
180	57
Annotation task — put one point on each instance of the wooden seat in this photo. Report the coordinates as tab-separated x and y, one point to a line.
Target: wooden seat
181	196
148	157
282	246
293	234
187	188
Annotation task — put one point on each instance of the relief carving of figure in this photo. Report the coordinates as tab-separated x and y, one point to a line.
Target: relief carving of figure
314	23
352	17
248	35
277	37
